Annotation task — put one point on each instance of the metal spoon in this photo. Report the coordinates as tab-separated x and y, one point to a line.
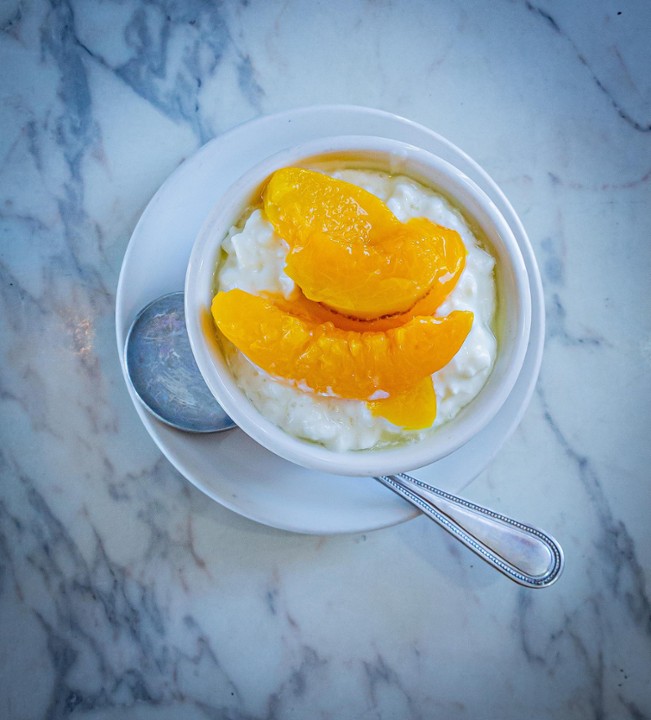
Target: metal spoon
165	377
163	371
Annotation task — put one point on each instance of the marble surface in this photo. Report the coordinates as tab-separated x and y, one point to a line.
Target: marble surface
124	592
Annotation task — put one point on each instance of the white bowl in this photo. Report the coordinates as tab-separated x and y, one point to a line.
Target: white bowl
514	305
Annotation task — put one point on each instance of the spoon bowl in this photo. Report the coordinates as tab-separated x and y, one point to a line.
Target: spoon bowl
163	372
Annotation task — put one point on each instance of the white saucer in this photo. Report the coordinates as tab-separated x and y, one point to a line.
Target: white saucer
230	467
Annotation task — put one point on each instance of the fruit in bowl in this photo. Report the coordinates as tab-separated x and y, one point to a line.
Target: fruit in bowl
358	305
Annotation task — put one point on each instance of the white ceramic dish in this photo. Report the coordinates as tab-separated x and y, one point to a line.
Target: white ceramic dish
231	468
398	158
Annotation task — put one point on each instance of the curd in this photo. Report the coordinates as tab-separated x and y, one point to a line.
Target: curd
254	259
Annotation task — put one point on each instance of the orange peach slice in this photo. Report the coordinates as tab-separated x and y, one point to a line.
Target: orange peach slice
350	253
331	361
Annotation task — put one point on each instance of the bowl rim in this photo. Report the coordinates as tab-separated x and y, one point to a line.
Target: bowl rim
443	440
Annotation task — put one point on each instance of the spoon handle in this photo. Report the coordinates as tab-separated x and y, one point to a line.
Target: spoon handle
523	553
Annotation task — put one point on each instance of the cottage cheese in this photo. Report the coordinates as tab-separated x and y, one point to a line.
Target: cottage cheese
254	260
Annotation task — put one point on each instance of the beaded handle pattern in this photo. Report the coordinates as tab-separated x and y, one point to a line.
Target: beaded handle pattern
526	555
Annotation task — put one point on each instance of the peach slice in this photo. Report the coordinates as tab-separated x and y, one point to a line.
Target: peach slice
349	252
413	409
331	361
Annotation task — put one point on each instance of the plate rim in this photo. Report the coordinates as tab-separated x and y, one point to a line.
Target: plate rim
536	343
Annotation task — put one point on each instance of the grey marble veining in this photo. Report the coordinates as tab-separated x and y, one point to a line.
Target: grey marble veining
125	592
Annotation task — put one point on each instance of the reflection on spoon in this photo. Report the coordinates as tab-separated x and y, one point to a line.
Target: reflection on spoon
165	376
163	372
